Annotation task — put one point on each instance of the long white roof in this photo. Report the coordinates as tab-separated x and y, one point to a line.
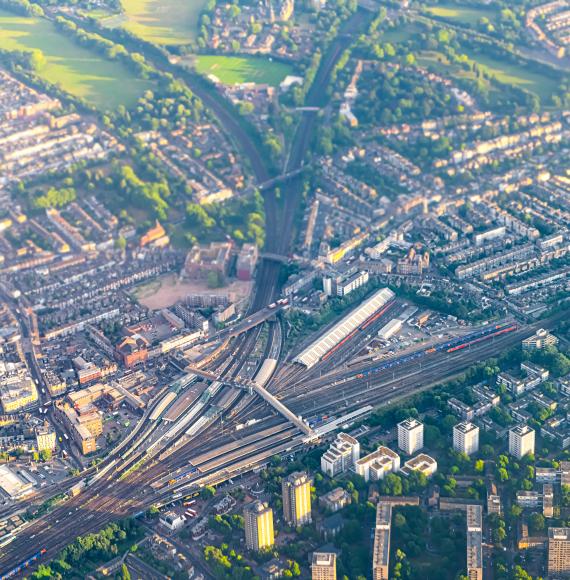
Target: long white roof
313	354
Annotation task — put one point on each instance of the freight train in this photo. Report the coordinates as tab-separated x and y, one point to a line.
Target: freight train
23	565
447	346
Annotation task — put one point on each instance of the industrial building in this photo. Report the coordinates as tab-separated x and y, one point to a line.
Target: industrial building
317	350
13	486
410	436
466	438
521	441
381	549
296	490
258	524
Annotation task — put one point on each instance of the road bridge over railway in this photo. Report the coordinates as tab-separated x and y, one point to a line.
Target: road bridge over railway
283	178
253	387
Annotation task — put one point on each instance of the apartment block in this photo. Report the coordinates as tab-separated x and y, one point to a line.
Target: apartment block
466	438
558	552
540	340
323	566
45	438
521	441
376	464
381	549
258	524
341	455
296	489
410	436
475	542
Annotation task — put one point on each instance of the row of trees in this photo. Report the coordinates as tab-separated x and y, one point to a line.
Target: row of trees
105	47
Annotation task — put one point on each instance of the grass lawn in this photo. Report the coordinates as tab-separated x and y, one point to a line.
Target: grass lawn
466	15
167	22
77	70
511	74
505	72
232	70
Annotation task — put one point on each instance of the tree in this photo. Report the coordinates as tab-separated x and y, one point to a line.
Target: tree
45	454
537	523
391	484
516	511
208	492
125	574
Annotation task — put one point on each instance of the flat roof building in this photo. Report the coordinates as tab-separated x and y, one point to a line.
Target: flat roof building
296	493
323	566
341	455
410	436
381	549
14	486
558	552
466	438
521	441
258	523
376	464
422	463
474	542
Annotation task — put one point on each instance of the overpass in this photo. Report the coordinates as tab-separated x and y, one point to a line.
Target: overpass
251	322
253	387
274	257
284	177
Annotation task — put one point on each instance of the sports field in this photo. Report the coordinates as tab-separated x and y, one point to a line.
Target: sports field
232	70
167	22
77	70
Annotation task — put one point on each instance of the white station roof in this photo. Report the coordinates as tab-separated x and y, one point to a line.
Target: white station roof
315	352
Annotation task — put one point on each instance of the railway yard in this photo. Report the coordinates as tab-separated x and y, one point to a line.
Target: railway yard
360	301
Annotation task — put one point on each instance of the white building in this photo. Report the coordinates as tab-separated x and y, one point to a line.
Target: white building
376	464
410	436
341	456
172	521
422	462
521	441
466	438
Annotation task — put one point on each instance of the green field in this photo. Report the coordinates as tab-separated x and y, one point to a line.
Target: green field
167	22
467	15
77	70
517	75
232	70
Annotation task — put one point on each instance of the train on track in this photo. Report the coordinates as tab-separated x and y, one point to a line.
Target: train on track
23	565
447	346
